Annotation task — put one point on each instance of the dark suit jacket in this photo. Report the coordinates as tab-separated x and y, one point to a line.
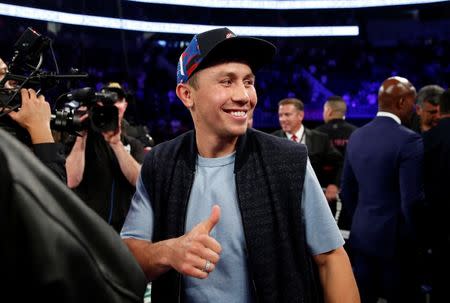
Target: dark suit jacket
437	177
325	159
382	186
54	248
339	131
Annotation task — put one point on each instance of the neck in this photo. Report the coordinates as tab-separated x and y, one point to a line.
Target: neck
425	128
389	110
335	117
210	146
294	131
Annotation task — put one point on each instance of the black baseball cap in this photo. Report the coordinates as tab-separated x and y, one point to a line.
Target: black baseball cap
222	44
115	87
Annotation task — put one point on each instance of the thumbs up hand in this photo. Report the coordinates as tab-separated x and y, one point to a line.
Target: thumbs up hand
206	226
196	253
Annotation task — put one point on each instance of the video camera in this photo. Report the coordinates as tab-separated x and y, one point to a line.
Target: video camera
102	115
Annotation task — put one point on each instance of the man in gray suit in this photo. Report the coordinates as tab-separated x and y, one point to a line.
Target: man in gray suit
325	159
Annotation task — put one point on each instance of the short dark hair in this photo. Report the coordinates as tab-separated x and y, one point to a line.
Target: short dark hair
444	102
335	98
294	101
430	94
337	104
192	81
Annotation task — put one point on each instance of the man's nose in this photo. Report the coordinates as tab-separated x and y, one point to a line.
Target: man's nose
241	94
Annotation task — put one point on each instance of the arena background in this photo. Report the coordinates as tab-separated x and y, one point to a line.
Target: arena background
408	40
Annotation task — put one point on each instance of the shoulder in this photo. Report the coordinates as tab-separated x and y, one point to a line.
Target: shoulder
323	128
349	125
438	134
279	157
173	145
278	133
169	150
316	133
409	134
164	158
274	142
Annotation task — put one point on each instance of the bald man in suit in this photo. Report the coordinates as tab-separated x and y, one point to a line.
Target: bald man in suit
382	188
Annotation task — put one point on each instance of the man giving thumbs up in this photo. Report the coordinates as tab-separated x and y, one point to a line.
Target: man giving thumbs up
275	229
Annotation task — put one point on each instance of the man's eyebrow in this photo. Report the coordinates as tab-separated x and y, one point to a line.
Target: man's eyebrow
233	74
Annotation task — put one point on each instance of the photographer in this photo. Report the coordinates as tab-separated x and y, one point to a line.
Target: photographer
30	124
103	167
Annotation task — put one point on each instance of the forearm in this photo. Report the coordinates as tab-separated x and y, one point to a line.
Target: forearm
75	163
152	257
337	278
41	134
129	166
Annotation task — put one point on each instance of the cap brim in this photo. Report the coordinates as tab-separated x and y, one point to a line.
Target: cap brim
120	92
256	52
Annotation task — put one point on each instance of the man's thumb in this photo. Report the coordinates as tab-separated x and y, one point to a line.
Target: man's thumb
213	219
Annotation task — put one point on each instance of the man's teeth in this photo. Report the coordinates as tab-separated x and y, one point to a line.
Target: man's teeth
238	114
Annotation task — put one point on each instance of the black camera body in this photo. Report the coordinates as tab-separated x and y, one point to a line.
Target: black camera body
25	70
9	97
102	115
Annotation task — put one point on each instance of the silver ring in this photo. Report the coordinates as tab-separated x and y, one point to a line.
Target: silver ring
207	266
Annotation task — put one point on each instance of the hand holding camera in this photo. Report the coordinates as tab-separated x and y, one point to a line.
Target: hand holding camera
34	115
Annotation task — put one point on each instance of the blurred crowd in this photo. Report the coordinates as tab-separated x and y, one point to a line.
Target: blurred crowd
384	180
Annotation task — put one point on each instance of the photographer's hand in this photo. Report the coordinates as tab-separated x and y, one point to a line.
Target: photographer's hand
34	115
113	137
75	161
129	166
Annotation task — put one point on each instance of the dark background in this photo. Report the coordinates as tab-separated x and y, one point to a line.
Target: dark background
410	41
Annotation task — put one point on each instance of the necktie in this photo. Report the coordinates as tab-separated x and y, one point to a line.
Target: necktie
294	138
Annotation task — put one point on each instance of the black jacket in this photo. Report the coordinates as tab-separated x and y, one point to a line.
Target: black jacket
51	154
53	247
437	175
338	131
325	159
269	180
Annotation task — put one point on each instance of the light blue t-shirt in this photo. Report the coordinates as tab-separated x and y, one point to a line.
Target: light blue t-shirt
214	183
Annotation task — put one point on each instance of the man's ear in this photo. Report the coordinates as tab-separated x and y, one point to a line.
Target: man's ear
400	102
184	92
328	112
302	115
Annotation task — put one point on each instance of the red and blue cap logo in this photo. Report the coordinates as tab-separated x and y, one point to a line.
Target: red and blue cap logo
189	61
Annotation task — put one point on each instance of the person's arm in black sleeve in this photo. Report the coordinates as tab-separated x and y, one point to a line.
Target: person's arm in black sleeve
51	154
34	115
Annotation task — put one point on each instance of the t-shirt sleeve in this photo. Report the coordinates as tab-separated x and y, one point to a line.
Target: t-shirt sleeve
139	221
322	232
